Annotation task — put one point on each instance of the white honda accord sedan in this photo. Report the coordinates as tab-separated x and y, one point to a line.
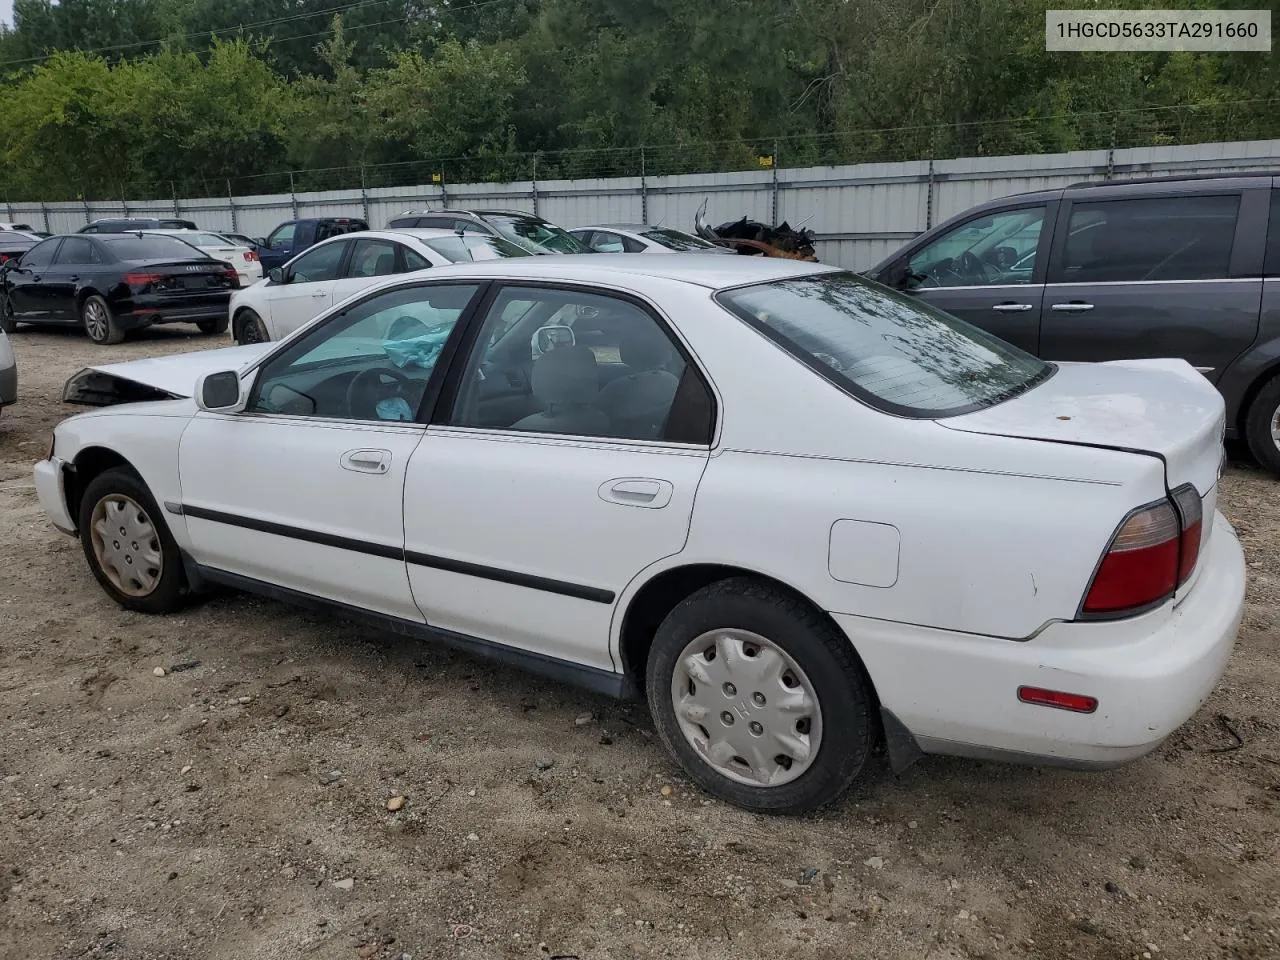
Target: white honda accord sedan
797	511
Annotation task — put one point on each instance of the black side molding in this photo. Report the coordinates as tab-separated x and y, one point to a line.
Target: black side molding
615	685
390	552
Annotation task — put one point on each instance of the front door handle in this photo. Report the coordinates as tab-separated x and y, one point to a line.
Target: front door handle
637	492
321	293
1012	307
1075	306
367	461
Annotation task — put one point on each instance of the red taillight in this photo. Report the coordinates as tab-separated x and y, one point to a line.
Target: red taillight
250	256
1075	702
142	279
230	274
1152	554
1141	565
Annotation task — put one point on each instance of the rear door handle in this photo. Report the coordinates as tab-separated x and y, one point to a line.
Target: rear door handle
1075	306
367	461
320	293
637	492
1013	307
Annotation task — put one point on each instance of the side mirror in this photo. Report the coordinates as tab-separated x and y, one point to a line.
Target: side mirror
261	242
276	275
218	392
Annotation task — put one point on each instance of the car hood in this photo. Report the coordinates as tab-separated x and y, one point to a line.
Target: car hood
155	378
1162	408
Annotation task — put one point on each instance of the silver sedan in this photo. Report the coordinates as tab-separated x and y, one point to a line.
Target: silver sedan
642	238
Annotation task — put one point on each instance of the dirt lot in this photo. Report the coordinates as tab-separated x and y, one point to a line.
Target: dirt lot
238	809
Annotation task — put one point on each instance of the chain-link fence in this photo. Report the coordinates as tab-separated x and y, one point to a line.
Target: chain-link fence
1165	126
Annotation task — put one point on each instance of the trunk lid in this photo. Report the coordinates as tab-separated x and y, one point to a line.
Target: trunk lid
155	378
1162	408
200	275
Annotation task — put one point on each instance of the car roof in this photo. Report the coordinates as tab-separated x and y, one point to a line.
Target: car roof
630	227
430	233
713	273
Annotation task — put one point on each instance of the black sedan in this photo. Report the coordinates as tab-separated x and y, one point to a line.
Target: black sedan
114	283
13	245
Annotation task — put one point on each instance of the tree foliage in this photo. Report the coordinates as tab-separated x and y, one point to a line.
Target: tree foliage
197	96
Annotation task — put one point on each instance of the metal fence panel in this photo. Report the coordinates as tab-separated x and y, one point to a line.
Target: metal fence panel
860	213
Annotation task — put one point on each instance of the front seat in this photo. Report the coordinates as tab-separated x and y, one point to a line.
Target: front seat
638	403
565	381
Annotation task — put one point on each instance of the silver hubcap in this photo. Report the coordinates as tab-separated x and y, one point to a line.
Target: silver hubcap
1275	428
746	707
126	545
95	320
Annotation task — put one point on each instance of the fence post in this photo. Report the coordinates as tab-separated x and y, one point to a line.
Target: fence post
364	195
293	197
44	212
8	209
928	200
444	194
773	215
124	202
88	216
533	182
231	202
1111	153
173	189
644	190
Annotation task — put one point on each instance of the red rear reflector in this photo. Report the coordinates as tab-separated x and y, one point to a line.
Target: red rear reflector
141	279
1074	702
1191	513
1141	565
250	256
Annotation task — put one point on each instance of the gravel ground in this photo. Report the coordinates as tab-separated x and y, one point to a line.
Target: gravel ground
239	809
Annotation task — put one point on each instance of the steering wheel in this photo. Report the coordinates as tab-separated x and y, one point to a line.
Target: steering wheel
970	267
369	387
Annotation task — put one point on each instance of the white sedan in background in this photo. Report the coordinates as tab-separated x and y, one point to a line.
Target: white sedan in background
797	509
642	238
248	267
329	272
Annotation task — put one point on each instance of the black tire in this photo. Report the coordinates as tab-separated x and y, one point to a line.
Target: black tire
8	324
1257	430
99	321
213	327
840	685
250	328
170	587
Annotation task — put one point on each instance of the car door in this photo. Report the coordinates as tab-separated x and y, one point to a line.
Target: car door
76	262
988	270
279	246
308	287
303	489
1176	275
528	509
371	259
25	284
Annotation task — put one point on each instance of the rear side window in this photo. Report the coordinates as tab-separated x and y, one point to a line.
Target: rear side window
1157	238
888	349
1272	265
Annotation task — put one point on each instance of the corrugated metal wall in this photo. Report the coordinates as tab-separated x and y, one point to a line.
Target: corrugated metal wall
860	213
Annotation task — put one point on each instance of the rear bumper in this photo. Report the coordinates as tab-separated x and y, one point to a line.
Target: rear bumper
51	490
957	693
144	311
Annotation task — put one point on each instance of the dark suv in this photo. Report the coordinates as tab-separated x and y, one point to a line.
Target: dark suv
293	236
525	229
1164	267
130	224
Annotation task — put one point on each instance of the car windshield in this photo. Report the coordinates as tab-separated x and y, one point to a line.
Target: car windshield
472	246
206	240
675	240
886	348
536	236
153	247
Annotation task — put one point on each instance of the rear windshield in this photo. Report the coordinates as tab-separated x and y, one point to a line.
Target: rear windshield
127	247
474	246
675	240
536	236
886	348
206	240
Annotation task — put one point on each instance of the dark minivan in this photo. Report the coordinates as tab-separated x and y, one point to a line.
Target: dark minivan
1162	267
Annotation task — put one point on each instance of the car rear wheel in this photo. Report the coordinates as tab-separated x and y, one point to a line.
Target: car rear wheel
99	322
8	323
250	328
760	699
128	545
213	327
1262	426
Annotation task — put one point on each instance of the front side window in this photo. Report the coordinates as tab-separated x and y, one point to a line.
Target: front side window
282	235
41	255
474	247
580	363
373	362
887	349
991	250
372	258
77	250
602	241
318	264
1156	238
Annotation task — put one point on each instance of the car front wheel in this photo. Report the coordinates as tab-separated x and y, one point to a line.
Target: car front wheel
760	698
128	544
1262	426
251	329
